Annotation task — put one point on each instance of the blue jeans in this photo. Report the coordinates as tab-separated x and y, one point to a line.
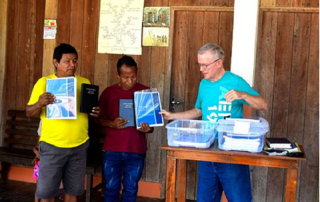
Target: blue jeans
125	168
213	178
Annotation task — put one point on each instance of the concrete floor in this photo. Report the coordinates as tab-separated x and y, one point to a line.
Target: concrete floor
14	191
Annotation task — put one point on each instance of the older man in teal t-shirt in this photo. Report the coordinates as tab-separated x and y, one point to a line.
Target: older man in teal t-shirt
221	93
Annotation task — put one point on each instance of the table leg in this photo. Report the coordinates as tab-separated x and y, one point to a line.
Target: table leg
182	179
171	177
291	185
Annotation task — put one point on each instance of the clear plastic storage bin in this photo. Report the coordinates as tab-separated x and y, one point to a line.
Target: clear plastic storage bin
242	134
191	133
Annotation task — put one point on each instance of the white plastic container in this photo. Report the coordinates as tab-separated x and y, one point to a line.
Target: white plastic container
242	134
191	133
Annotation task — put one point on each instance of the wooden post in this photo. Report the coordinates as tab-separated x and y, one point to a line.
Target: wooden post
51	11
3	39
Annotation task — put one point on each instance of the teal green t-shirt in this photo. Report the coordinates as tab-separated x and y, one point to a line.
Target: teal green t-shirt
211	97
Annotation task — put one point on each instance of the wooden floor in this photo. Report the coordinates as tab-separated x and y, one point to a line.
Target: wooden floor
24	192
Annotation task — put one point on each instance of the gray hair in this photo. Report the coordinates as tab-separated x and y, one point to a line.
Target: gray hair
214	50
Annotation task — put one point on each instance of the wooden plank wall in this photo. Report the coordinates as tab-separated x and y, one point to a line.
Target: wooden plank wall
3	38
286	75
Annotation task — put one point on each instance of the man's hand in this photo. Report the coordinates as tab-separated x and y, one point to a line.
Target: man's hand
33	111
166	115
256	102
95	112
118	123
45	99
144	127
235	95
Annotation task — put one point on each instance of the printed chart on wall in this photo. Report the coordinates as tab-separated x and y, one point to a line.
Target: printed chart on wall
120	27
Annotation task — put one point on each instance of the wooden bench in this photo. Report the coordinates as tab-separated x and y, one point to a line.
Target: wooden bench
21	136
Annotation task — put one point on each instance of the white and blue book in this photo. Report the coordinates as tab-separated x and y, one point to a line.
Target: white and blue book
126	111
148	108
65	92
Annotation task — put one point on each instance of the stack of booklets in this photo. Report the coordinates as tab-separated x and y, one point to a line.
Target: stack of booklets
234	143
281	147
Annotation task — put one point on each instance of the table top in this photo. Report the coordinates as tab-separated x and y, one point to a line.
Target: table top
215	150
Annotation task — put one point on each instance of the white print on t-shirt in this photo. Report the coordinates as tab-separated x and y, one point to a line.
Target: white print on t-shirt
224	109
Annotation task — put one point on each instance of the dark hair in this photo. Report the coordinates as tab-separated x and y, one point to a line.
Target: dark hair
63	48
128	61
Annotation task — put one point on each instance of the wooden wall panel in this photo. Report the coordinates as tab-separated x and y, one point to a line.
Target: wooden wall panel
157	71
89	40
211	30
281	97
299	69
179	60
76	29
265	61
23	55
3	48
290	92
12	58
225	36
51	12
283	3
63	21
40	8
193	78
309	175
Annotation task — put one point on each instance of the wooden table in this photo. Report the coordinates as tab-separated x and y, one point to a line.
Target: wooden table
181	154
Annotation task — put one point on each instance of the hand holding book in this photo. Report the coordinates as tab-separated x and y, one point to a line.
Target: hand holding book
118	123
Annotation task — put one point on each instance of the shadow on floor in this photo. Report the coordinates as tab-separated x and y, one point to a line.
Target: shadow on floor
14	191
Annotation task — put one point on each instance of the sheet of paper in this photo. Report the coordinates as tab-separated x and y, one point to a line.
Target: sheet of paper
50	29
241	127
120	27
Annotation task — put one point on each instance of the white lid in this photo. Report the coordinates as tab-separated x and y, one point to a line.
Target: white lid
256	126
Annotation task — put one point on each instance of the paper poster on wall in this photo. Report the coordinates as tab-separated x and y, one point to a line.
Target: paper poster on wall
156	16
155	36
50	29
120	27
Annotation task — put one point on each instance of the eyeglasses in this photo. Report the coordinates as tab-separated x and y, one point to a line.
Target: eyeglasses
206	65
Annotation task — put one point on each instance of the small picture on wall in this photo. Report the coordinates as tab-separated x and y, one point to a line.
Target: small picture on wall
155	36
156	16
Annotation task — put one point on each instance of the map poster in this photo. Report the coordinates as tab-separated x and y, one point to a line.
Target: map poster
120	27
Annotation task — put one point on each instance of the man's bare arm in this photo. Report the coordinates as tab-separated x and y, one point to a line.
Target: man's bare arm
189	114
256	102
33	111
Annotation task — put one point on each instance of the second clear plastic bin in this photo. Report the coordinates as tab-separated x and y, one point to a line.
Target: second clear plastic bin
191	133
242	134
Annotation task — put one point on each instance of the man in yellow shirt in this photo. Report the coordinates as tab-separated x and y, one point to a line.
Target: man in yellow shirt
63	142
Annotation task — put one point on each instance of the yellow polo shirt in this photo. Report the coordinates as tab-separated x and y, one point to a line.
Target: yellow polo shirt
64	133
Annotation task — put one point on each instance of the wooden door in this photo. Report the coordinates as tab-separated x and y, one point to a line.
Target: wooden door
192	27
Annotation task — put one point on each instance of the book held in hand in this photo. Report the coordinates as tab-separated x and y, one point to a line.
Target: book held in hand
89	97
274	142
147	108
65	91
126	111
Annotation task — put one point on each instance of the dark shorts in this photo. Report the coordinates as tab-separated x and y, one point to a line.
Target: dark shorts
66	164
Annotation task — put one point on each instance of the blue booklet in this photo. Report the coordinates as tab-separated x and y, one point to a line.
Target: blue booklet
65	92
147	108
126	111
